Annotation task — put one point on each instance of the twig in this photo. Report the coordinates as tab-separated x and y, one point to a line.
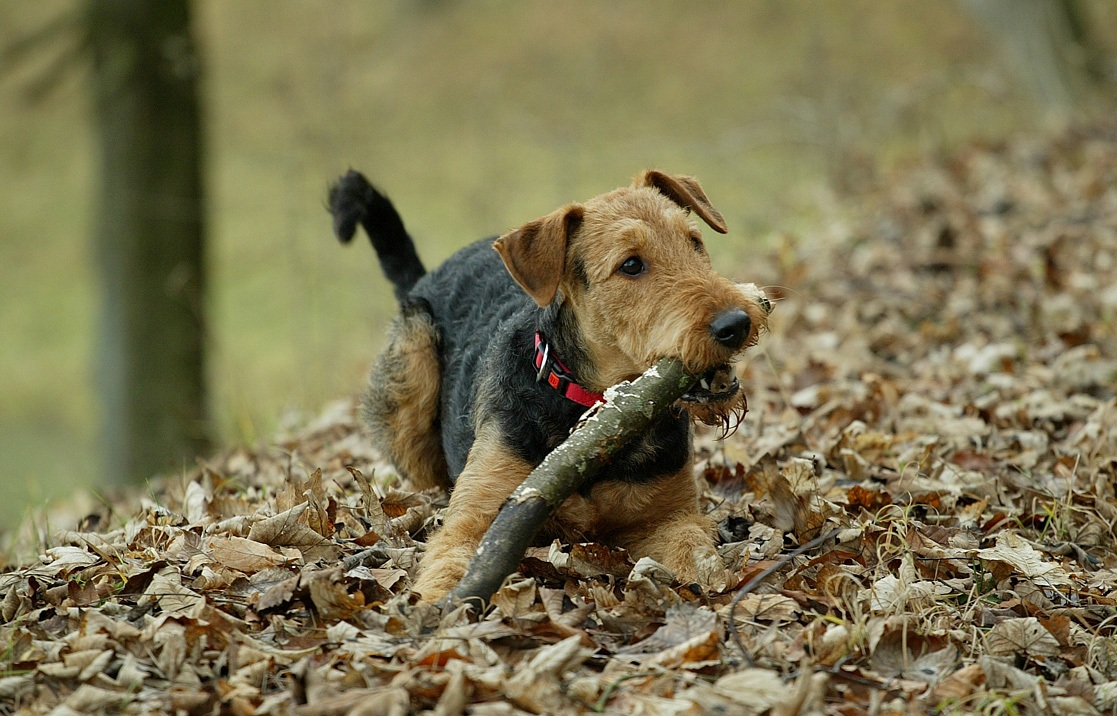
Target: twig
764	574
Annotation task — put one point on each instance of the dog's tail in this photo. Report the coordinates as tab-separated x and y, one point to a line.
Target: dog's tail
354	200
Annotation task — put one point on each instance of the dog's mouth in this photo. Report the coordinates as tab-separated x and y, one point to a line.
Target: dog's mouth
717	385
716	400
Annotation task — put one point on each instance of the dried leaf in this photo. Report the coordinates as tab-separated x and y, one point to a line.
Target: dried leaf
166	591
516	598
1021	636
195	503
536	685
243	555
1013	550
287	530
64	559
766	608
332	600
386	578
757	689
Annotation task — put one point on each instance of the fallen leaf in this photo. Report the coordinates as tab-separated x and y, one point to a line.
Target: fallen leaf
287	530
1024	636
243	555
757	689
1015	551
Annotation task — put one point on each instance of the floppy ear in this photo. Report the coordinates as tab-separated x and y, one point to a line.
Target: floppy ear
686	192
535	253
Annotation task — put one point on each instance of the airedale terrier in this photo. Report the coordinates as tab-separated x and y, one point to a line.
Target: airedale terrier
497	354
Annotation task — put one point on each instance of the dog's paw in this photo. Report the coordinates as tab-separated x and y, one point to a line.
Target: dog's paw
438	577
432	588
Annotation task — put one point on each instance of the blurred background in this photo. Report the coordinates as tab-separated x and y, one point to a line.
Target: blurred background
167	260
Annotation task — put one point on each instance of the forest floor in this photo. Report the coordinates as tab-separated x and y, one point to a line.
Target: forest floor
938	386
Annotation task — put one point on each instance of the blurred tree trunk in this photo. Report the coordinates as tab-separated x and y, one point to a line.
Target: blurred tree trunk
1049	44
149	236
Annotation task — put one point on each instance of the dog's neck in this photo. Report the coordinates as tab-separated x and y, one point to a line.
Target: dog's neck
560	359
551	370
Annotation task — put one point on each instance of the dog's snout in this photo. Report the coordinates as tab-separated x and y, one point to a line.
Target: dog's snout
731	327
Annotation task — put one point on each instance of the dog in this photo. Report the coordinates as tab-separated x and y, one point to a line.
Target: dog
498	352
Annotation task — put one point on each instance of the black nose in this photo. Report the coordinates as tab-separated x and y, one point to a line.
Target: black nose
731	327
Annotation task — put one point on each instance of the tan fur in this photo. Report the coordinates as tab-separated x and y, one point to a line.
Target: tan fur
491	474
535	253
630	323
658	519
686	192
625	324
400	406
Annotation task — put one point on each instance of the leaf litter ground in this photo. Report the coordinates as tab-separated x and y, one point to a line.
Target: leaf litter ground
936	398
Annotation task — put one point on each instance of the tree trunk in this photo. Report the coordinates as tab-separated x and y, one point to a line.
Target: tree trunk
149	236
1049	44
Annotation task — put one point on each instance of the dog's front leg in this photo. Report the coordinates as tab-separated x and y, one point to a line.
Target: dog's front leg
678	542
490	475
661	520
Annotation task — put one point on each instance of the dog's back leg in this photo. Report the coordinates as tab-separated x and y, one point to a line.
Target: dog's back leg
401	405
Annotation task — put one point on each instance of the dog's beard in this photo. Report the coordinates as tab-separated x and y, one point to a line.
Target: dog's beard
717	400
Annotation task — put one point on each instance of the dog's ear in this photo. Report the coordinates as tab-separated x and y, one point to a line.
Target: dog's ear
535	253
686	192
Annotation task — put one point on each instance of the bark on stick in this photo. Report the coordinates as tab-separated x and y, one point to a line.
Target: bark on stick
627	412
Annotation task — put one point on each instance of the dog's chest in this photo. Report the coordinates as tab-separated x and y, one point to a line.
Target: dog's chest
534	420
663	449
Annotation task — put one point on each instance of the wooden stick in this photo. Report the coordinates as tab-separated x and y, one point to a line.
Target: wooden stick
627	412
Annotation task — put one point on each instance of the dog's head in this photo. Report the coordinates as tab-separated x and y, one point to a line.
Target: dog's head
632	269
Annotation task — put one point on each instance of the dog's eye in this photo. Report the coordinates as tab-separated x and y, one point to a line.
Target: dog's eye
632	266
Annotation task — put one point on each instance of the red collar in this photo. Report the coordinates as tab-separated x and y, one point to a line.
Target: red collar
558	376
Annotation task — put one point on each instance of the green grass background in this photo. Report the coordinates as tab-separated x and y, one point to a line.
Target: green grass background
475	117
